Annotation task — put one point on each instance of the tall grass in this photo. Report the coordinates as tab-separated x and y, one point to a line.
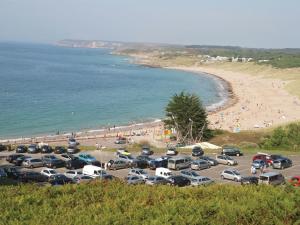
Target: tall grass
116	203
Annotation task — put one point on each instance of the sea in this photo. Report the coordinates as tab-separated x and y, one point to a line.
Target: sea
45	89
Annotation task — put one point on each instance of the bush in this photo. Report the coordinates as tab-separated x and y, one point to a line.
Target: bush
284	137
116	203
246	144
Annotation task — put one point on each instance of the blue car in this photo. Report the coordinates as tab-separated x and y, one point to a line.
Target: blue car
257	164
87	158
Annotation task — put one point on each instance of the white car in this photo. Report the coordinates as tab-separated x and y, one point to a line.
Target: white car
172	151
49	172
231	174
73	173
138	172
201	181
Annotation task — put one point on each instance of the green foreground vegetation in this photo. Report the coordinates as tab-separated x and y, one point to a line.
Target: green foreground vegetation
116	203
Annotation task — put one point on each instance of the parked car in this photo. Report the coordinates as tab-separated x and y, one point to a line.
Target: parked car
121	140
87	158
134	180
226	160
32	162
10	171
122	151
13	157
179	181
72	142
249	180
48	172
45	149
197	151
200	164
258	164
133	162
159	162
156	180
295	181
32	176
32	149
171	151
60	179
21	149
179	162
73	173
231	174
139	172
282	163
94	171
263	157
18	161
190	174
117	164
51	161
210	160
201	180
146	150
74	163
59	150
271	158
145	158
72	149
271	178
68	156
163	172
231	151
82	179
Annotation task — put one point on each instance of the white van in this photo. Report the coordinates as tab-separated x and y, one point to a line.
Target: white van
93	171
271	178
163	172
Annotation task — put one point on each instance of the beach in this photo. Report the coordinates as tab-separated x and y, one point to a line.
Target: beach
257	101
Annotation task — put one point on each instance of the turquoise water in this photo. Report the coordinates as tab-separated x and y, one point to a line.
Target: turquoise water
45	89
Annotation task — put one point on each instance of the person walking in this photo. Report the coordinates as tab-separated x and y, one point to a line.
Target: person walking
253	170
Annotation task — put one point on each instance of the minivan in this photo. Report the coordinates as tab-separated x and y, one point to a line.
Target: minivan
179	163
271	178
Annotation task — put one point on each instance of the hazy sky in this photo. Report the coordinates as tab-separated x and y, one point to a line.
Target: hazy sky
249	23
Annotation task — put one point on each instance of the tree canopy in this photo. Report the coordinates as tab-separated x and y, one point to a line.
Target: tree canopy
186	114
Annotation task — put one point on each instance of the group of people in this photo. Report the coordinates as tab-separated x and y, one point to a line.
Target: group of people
254	170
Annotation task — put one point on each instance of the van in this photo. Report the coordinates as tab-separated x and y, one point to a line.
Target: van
93	171
179	163
163	172
271	178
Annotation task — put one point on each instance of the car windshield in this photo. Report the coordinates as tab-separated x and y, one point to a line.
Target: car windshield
142	172
194	174
236	172
79	172
228	158
52	171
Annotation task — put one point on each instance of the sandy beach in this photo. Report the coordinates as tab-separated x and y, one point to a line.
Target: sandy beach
258	102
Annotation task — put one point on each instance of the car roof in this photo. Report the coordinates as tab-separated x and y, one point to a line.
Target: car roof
269	174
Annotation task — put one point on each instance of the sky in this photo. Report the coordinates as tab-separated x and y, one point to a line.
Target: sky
246	23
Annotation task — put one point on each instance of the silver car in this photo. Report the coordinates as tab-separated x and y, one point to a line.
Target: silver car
200	164
155	180
139	172
72	173
201	181
117	164
231	175
227	160
134	180
32	162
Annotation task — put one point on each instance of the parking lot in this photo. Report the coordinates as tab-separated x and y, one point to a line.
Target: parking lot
244	164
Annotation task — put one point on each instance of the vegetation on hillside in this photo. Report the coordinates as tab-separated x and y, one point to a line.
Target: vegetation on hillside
116	203
286	137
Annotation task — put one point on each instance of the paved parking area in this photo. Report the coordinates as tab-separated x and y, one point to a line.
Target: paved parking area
244	163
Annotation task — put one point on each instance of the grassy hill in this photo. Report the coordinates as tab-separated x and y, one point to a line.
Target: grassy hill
116	203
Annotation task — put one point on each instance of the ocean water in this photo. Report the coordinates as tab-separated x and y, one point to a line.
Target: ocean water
45	89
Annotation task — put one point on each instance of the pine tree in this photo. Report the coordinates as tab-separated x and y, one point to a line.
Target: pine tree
187	115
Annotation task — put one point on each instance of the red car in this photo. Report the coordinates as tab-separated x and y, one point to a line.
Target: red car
263	157
295	181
